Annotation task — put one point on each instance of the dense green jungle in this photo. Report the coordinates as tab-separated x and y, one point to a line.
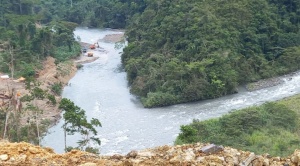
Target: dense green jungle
178	51
33	29
182	51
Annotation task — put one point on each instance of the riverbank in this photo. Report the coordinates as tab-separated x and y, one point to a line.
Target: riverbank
50	75
265	83
108	95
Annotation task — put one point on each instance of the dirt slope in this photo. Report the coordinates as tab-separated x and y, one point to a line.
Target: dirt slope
49	75
13	154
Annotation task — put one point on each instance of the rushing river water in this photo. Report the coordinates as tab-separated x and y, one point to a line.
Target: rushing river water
101	89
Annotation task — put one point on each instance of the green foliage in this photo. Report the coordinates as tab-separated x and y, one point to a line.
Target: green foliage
70	148
158	99
92	13
51	99
79	66
23	44
197	50
56	88
271	128
92	150
76	122
63	53
292	103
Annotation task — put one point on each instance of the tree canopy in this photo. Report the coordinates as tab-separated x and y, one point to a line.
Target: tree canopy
179	51
27	38
182	51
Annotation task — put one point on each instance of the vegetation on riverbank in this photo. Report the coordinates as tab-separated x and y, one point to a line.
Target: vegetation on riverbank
270	128
181	51
178	51
24	46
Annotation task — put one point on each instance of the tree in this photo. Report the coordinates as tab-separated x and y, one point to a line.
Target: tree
75	122
35	93
217	46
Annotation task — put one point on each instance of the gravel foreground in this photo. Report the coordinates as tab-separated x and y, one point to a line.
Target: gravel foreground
25	154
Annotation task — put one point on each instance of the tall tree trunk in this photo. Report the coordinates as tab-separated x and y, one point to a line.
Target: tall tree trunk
11	65
37	127
6	123
65	135
37	121
20	7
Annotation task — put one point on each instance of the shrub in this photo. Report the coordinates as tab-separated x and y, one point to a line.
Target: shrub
270	128
51	99
56	88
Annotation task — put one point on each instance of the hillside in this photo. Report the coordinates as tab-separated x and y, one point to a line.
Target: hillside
21	154
181	51
272	127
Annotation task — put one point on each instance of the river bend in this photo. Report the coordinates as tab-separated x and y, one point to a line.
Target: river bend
101	89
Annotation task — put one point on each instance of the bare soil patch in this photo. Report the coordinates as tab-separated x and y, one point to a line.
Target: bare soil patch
113	38
49	75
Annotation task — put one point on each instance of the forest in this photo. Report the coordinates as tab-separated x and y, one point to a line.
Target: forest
27	38
179	51
33	29
189	50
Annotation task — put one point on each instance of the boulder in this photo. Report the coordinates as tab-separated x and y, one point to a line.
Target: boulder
3	157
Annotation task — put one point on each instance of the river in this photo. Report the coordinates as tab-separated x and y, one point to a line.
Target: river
101	89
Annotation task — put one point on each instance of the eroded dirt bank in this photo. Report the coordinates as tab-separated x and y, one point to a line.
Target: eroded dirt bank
48	76
21	154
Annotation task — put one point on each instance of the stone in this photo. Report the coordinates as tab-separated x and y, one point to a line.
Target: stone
116	157
229	160
88	164
12	159
200	159
267	155
136	161
189	155
295	159
33	150
171	152
276	159
248	160
146	154
22	157
3	157
132	154
266	162
211	149
74	160
258	161
222	158
236	160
